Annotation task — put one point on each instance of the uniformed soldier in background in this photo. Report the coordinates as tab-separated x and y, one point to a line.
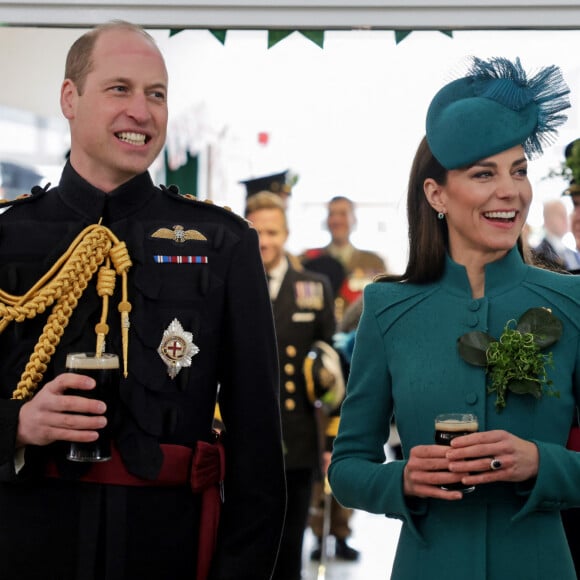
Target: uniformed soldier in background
195	313
350	270
360	266
303	314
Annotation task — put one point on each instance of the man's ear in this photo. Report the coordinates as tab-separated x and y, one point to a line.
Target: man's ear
68	98
434	194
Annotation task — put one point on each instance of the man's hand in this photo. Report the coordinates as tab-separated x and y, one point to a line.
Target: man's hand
52	415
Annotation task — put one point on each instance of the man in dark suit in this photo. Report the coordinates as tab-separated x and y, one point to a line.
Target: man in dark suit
303	314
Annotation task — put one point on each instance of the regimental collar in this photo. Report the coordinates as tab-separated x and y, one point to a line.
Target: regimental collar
92	203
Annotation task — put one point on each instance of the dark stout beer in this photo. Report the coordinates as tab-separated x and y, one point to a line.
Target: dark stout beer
447	427
105	370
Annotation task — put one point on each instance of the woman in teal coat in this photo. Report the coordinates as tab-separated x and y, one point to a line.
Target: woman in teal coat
425	342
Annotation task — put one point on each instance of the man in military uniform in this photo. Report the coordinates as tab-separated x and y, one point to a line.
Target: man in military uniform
360	266
194	314
303	314
350	269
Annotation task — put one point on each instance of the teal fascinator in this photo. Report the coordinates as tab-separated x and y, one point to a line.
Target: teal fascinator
493	108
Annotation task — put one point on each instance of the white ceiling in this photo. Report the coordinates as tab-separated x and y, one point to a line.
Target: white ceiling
430	14
36	34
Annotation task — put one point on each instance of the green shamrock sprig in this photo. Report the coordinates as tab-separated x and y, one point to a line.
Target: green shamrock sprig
515	362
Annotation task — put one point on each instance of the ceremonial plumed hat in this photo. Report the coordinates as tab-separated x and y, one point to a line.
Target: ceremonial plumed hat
494	107
278	183
325	383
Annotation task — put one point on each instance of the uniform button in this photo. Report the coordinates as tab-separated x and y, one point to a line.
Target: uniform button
291	351
289	369
474	305
289	404
471	398
290	386
473	321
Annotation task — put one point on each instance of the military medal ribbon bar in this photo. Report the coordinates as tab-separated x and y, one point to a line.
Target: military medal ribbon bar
180	259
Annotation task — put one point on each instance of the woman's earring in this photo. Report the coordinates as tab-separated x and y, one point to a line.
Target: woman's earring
440	215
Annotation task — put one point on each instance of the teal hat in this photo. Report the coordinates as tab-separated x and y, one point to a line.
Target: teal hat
493	108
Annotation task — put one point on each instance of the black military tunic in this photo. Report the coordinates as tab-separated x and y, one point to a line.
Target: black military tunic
194	263
303	314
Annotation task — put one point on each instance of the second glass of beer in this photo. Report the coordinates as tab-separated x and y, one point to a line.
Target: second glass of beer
447	427
104	369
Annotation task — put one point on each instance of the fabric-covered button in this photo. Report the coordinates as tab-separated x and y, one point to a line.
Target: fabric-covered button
473	321
471	398
474	305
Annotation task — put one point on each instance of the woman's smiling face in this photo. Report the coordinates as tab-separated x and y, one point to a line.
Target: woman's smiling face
485	205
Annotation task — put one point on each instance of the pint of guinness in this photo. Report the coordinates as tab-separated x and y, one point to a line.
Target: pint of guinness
447	427
105	370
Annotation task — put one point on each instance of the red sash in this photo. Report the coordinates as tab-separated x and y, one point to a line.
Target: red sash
203	468
574	439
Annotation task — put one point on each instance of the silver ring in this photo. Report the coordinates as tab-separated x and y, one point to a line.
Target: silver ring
495	464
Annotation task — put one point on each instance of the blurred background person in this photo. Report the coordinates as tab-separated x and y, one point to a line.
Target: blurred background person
571	517
360	266
303	314
552	250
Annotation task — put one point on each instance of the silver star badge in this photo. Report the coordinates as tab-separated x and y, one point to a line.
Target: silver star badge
177	348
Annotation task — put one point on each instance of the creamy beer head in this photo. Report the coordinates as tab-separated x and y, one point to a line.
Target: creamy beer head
454	424
90	361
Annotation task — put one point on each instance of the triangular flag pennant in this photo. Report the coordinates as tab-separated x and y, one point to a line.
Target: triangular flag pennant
400	35
275	36
220	35
316	36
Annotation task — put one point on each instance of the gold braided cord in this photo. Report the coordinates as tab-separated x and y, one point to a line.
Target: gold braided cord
62	286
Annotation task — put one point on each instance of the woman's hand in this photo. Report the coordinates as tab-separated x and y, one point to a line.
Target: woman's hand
472	455
52	415
426	470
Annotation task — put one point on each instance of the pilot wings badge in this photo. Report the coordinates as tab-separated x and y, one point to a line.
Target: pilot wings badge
177	348
178	234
